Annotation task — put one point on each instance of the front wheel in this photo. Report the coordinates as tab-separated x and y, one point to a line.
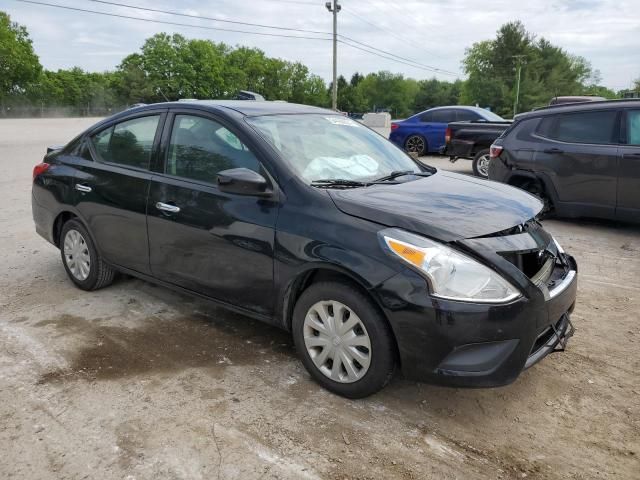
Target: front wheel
344	341
481	163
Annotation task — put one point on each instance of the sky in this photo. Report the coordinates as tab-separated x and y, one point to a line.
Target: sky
430	32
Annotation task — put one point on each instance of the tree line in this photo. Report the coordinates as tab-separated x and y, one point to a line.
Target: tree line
170	67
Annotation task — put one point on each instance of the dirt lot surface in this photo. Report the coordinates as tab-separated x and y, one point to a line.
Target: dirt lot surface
136	382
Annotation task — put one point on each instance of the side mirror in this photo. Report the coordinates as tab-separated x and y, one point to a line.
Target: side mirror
243	181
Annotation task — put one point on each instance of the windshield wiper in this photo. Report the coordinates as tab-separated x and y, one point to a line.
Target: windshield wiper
338	182
401	173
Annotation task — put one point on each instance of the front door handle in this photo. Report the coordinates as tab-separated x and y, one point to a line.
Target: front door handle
552	150
631	155
167	207
83	188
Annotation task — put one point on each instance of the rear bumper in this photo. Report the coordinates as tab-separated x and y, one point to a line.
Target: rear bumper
475	345
43	219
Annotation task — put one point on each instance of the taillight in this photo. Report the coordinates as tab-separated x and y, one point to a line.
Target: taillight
394	126
495	151
39	169
447	135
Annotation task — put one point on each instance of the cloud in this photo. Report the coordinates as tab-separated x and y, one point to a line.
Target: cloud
605	32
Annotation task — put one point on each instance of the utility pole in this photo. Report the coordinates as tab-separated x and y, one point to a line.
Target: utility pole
334	8
519	59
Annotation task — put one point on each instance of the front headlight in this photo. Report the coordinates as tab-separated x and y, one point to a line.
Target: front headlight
451	274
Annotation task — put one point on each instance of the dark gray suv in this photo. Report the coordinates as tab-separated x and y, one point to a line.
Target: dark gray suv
582	159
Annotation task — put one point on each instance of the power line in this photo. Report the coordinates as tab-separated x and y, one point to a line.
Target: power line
392	33
213	19
170	12
428	67
367	48
392	58
148	20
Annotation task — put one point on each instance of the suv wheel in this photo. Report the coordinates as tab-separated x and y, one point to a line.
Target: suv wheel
80	258
344	341
481	163
416	144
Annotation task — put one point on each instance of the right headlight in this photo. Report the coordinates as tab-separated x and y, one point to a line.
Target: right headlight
451	274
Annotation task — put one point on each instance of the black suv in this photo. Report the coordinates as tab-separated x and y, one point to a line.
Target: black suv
582	159
308	220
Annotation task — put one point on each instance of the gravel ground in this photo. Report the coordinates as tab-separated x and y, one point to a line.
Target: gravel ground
137	382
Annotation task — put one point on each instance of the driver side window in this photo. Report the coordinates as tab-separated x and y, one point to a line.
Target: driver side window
200	148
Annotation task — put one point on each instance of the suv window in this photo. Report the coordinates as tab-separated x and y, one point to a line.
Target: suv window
633	127
127	143
466	116
444	116
201	147
584	127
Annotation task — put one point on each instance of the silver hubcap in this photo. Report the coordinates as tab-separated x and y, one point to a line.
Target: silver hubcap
415	144
76	254
483	165
337	341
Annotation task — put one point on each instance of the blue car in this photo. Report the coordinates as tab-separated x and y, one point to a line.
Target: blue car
424	132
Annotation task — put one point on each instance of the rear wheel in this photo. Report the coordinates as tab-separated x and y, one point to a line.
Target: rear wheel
481	163
416	144
81	260
343	340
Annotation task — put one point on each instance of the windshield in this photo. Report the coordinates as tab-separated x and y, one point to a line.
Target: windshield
332	147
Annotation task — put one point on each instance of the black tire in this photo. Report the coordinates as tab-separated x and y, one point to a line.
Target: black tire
383	352
416	144
536	188
478	170
100	274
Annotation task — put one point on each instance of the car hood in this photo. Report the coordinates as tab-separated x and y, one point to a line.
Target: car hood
445	206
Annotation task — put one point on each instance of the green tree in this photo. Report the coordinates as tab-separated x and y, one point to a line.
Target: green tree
389	91
546	71
19	65
171	67
435	93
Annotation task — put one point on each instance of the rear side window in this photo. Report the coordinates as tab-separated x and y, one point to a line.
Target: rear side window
444	116
426	117
201	147
128	143
466	116
597	127
633	127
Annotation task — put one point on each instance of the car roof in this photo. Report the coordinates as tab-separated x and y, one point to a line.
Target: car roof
455	107
581	106
246	107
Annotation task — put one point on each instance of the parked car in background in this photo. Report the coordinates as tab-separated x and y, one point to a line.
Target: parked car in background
575	99
472	140
583	159
424	132
310	221
248	95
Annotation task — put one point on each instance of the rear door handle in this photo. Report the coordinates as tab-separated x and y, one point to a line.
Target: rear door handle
552	150
83	188
631	155
166	207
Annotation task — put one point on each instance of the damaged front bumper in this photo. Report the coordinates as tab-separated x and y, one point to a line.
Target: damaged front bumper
477	345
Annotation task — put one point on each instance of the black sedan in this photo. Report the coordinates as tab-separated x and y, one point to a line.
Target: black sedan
308	220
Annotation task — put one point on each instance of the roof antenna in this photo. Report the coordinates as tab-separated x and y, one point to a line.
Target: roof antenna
162	93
